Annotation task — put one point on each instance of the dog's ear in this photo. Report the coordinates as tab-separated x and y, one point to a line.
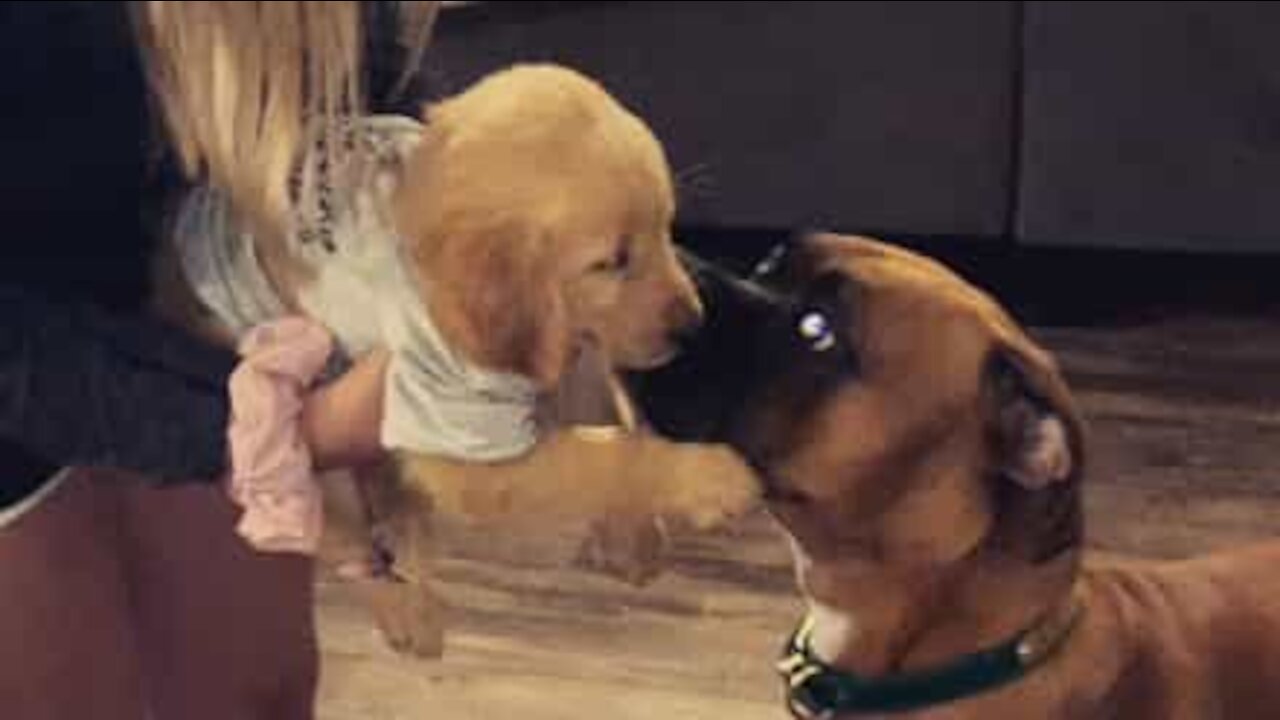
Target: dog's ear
490	276
495	294
1036	439
1034	419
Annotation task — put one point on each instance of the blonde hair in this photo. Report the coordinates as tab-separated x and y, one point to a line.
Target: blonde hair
242	85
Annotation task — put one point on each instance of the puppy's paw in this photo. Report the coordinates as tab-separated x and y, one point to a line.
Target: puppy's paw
712	486
412	619
631	550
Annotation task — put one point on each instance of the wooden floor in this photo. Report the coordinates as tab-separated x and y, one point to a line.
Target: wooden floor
1185	418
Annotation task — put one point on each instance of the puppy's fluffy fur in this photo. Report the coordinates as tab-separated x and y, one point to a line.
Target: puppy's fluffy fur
537	214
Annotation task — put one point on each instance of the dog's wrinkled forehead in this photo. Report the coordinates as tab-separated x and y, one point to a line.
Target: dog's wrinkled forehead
919	337
826	326
949	386
892	267
894	284
877	394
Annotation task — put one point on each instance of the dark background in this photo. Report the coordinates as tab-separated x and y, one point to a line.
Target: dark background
1091	162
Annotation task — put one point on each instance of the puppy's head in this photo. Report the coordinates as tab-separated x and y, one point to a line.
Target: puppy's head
892	408
539	211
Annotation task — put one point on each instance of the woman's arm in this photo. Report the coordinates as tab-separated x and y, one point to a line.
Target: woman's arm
341	421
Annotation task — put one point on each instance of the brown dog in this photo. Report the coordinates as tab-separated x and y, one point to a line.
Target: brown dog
925	457
531	214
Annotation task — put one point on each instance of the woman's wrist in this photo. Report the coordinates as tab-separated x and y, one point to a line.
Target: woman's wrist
341	421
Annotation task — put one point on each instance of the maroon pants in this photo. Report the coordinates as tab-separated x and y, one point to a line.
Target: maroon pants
122	602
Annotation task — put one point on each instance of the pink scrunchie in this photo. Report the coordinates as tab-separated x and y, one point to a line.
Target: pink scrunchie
271	473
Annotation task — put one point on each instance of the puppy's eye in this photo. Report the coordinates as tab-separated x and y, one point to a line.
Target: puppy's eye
815	329
617	263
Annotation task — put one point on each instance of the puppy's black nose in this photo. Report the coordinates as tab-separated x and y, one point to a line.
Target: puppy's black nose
686	333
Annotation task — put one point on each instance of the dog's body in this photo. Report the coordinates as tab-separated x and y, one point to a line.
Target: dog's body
531	219
925	457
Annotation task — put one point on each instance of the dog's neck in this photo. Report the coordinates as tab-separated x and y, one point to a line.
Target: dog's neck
872	618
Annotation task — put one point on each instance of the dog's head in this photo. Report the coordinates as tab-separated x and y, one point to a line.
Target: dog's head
539	211
891	407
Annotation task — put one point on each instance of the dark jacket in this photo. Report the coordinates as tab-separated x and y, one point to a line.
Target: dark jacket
85	376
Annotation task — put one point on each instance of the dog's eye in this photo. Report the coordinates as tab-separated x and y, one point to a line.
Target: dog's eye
618	263
816	331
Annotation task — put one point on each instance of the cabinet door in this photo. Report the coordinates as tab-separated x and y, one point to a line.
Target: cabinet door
870	116
1152	125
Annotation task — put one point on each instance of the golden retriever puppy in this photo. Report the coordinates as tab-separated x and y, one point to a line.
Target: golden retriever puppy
523	227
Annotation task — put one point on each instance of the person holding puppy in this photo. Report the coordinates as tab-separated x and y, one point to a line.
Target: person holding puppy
93	621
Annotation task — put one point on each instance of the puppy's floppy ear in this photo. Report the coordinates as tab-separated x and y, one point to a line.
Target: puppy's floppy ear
1036	440
495	294
490	275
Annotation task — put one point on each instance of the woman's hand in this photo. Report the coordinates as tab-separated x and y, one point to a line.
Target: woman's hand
341	421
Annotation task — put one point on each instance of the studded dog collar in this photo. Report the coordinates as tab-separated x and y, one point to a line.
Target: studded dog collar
818	691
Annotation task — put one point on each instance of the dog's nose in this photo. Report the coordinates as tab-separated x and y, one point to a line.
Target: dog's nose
685	336
685	322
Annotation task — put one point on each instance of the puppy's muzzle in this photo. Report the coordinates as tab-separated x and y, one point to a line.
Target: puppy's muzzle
695	397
